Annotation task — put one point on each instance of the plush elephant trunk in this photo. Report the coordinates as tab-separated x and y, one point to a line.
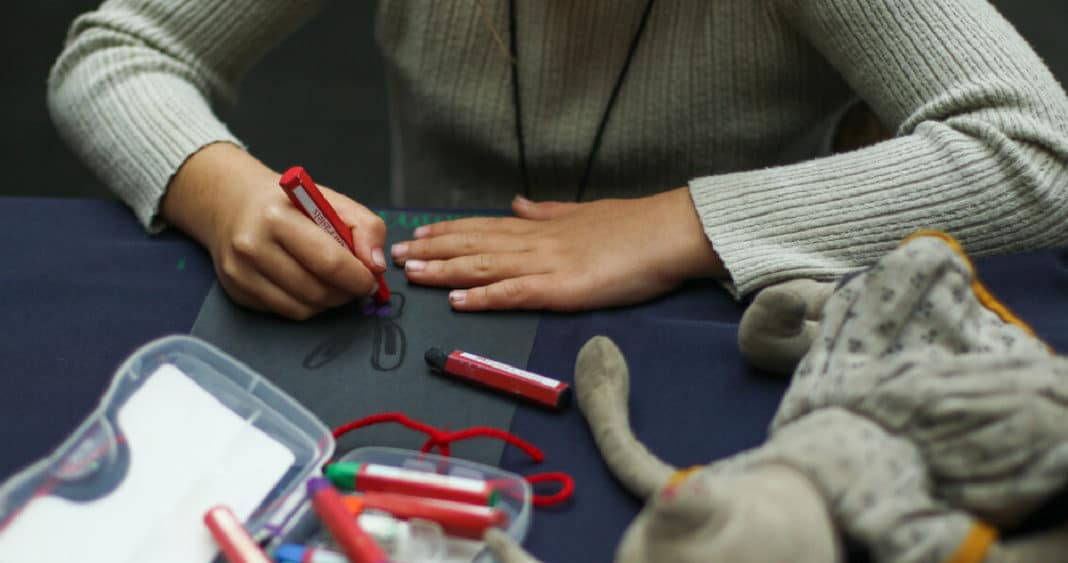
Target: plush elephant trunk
602	385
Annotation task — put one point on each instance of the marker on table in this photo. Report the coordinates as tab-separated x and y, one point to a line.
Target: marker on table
357	544
303	192
455	518
234	540
372	477
539	389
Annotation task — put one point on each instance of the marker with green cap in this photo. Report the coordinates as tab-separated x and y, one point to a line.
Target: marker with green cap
367	477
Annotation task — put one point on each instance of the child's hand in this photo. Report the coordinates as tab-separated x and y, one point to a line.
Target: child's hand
564	256
268	256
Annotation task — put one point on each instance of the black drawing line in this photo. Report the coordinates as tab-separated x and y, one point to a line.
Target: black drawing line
388	348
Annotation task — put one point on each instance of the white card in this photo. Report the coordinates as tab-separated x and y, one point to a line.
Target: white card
188	452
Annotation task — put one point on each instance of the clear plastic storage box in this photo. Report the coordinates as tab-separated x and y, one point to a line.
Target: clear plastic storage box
91	464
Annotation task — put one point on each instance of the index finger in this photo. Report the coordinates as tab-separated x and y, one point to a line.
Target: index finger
368	229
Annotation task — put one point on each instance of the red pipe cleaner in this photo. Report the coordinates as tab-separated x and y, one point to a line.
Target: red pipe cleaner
442	438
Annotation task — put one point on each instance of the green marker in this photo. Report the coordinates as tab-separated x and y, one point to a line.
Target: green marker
368	477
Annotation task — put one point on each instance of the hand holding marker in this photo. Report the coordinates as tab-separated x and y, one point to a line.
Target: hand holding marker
303	192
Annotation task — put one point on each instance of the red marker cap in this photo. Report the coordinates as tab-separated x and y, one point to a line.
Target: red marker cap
304	194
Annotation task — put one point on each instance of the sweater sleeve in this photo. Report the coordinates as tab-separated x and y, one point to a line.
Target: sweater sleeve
132	89
981	147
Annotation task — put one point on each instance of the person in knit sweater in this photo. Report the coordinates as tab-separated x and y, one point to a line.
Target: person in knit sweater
676	125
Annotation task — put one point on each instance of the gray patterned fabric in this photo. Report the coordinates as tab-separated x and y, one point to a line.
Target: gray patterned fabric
918	410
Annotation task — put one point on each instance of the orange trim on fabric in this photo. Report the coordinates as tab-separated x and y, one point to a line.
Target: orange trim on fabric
976	543
681	475
984	296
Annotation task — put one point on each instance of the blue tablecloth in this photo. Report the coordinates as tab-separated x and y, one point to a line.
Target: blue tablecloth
83	286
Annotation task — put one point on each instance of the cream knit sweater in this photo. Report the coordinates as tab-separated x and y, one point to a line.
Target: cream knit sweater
718	94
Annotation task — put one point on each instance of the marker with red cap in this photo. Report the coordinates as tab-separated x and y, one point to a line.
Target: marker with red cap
357	544
303	192
536	388
455	518
234	540
372	477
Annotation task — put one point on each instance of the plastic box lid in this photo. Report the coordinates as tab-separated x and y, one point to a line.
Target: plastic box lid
94	458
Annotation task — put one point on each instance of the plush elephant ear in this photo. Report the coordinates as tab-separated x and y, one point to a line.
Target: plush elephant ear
778	328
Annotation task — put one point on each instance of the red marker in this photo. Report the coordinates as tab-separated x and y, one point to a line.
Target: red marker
357	544
372	477
233	539
303	192
455	518
539	389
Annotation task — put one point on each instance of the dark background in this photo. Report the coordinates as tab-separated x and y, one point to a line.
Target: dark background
341	125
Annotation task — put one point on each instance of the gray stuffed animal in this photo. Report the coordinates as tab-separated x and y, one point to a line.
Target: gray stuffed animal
923	419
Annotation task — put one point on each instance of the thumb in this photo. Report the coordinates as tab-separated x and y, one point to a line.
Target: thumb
368	229
526	209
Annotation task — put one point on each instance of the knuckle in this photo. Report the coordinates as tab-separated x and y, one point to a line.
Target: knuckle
244	244
229	269
378	228
420	248
513	291
470	241
273	214
479	296
485	264
331	263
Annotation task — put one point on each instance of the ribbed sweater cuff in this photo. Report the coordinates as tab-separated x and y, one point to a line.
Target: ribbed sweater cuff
136	136
824	218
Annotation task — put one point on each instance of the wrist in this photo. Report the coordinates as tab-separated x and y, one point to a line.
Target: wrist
696	257
215	180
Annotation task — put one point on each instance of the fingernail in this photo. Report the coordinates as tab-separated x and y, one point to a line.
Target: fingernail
421	232
379	257
458	297
415	265
522	200
374	289
399	250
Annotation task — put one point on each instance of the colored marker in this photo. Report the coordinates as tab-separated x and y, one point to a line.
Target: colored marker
303	192
357	544
372	477
296	553
538	389
455	518
234	540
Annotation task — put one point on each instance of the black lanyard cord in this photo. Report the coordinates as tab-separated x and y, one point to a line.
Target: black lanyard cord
599	135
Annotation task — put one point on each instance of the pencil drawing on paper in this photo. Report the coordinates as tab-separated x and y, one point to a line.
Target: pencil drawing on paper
389	345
